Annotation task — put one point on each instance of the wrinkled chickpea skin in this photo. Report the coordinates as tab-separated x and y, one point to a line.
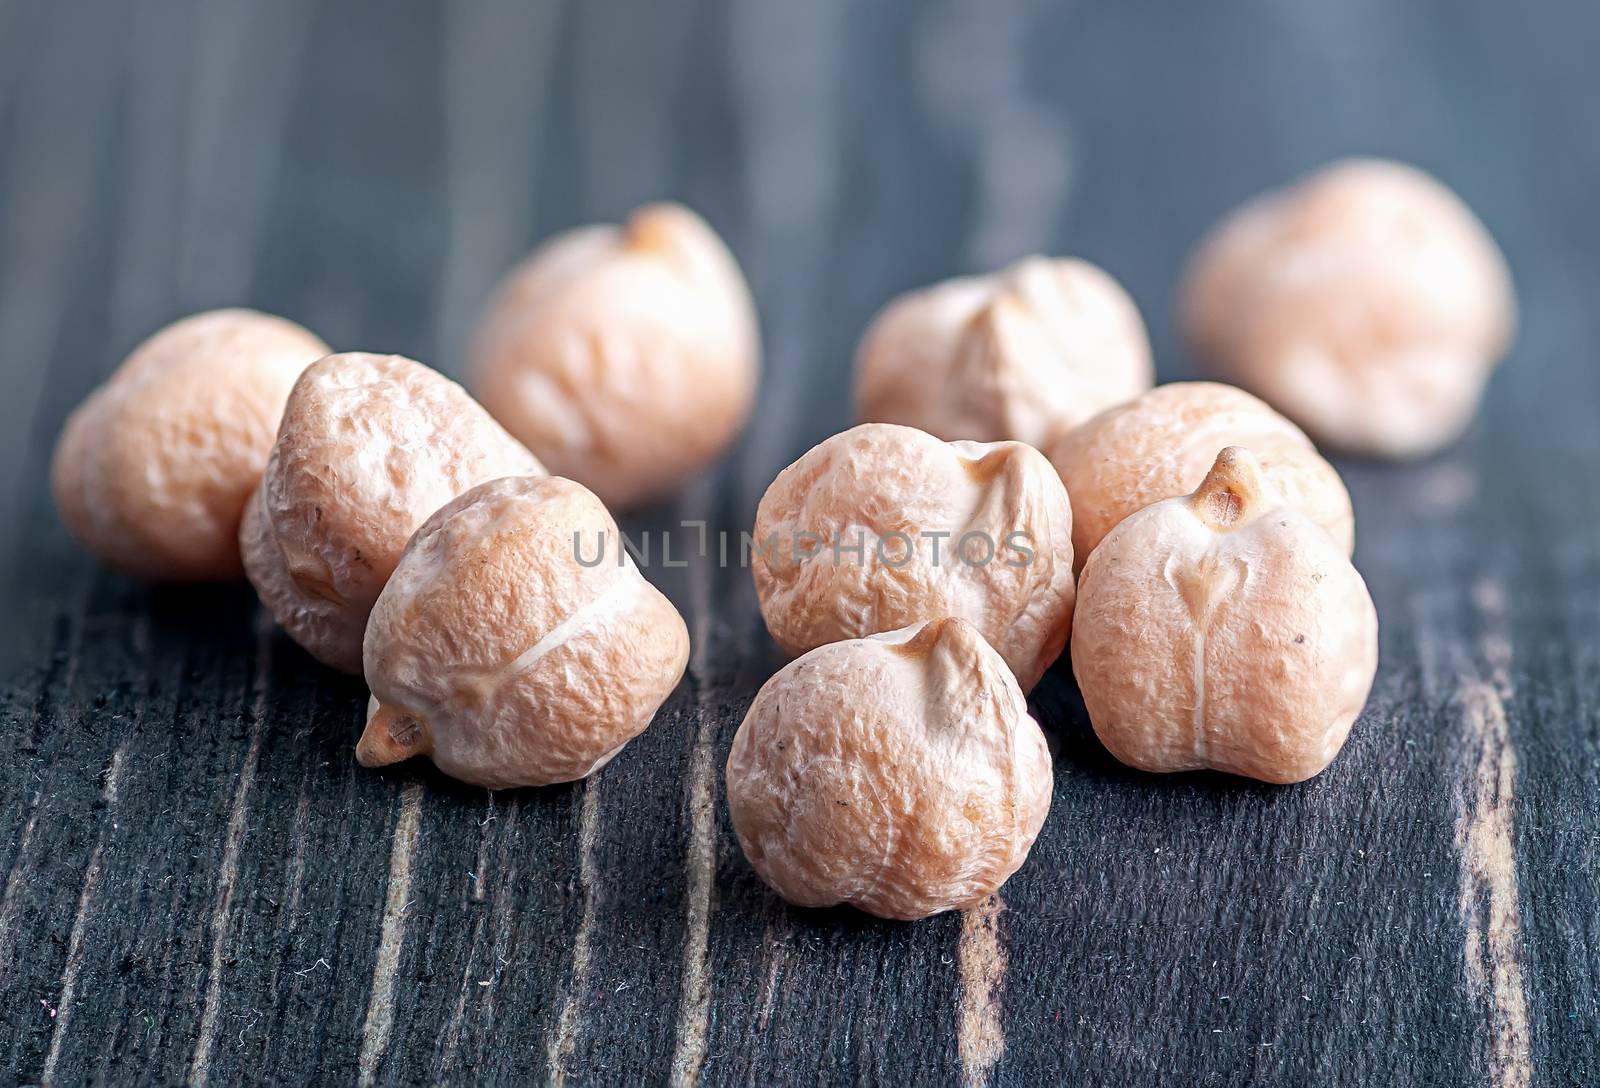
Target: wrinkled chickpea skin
369	447
498	654
1366	302
1162	444
1014	356
152	471
625	357
926	529
1223	629
900	774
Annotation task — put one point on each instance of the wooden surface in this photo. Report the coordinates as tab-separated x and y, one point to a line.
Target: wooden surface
200	885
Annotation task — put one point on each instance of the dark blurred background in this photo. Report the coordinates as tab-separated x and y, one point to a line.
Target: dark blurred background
370	169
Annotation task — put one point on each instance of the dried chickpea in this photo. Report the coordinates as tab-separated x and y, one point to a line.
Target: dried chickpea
1017	355
885	526
1224	629
152	471
626	357
369	446
516	644
898	773
1366	302
1162	444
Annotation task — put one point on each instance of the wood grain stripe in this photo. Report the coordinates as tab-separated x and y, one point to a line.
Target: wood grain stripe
776	941
694	999
497	927
981	965
228	872
1490	901
450	1036
294	885
70	639
86	903
14	880
1490	897
379	1020
567	1024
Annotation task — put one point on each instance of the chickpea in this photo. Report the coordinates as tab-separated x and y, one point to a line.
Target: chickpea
885	526
516	644
898	773
1161	445
1017	355
625	357
1366	302
152	471
369	446
1224	629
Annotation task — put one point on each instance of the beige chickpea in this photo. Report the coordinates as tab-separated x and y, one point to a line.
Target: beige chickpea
900	774
1017	355
1224	629
369	447
516	644
1366	302
1161	445
626	357
885	526
152	471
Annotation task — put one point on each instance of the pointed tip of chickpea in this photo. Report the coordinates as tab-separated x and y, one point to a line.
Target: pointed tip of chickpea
392	736
655	227
1231	495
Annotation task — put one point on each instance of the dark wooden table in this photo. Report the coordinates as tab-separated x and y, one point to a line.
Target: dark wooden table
200	885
